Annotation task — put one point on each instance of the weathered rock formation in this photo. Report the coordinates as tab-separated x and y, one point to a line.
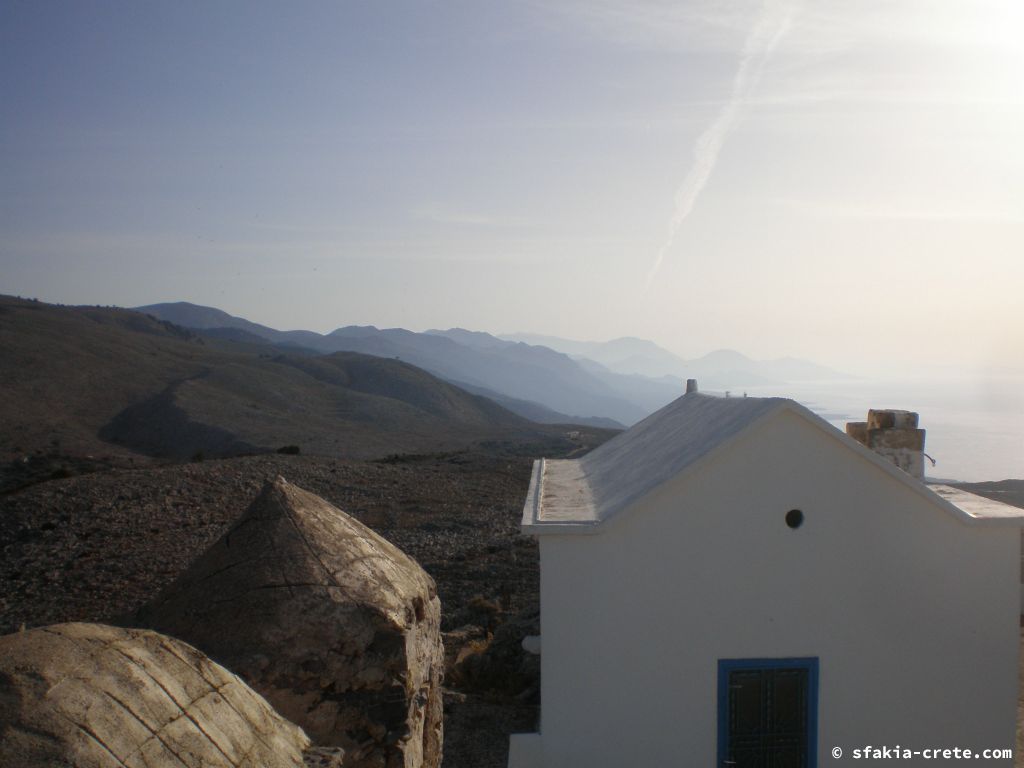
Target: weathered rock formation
335	626
93	696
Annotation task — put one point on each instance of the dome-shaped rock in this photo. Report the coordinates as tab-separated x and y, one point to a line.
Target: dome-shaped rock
334	625
93	696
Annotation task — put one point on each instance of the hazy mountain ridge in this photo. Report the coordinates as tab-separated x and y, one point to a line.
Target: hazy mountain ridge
627	355
721	368
623	380
537	412
522	372
87	380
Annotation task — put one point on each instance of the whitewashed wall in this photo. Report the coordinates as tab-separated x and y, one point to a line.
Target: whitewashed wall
912	613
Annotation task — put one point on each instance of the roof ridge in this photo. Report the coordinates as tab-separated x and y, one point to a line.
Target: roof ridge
585	493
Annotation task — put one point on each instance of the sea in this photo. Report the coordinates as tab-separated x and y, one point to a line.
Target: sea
974	424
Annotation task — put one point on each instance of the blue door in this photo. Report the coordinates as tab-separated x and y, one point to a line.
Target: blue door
767	713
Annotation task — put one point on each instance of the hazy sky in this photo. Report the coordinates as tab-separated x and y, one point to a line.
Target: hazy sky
829	179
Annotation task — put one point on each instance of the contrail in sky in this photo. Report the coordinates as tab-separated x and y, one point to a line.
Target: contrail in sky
771	26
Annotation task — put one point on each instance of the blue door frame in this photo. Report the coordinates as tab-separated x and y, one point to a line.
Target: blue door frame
725	666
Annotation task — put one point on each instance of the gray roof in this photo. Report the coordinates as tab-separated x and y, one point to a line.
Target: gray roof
580	494
643	457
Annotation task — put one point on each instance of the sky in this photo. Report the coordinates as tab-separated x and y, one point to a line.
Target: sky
837	181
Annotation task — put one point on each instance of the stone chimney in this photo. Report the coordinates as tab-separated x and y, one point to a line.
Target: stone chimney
894	435
691	385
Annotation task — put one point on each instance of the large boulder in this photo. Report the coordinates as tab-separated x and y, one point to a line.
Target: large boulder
335	626
92	696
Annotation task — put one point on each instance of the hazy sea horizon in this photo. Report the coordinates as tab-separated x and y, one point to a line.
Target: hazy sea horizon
975	426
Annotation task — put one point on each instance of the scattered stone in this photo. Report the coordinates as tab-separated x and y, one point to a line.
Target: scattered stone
92	696
501	664
338	628
456	643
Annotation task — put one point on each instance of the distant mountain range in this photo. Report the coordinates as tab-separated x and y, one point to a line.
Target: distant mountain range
722	369
542	378
84	381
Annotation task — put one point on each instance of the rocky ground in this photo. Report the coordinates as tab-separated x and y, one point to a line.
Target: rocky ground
95	547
